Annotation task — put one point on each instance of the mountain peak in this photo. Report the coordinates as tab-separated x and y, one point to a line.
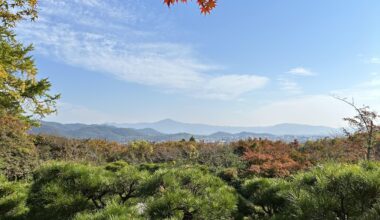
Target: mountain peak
167	120
170	126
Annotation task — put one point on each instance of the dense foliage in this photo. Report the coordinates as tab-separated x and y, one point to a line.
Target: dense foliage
118	190
71	190
18	154
13	197
21	93
48	177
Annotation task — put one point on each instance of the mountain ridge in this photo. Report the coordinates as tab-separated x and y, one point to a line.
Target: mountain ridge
172	126
120	134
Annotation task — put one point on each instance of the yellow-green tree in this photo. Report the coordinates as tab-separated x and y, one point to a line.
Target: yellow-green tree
23	97
21	93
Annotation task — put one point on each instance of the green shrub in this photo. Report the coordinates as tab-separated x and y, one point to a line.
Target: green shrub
127	181
189	193
335	191
229	174
113	211
54	192
267	195
61	190
13	199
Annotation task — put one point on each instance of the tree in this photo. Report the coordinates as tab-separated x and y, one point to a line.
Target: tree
22	96
206	6
13	199
114	211
12	11
192	139
267	193
274	158
61	190
189	193
21	93
364	124
127	180
334	191
18	155
140	150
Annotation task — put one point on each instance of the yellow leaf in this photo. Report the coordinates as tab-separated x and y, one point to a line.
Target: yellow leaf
3	74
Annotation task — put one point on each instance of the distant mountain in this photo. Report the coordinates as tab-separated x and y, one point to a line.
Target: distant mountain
119	134
95	131
170	126
112	133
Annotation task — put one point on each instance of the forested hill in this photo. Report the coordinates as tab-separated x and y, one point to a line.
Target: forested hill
129	134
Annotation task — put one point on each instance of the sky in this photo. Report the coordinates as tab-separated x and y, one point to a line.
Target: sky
248	63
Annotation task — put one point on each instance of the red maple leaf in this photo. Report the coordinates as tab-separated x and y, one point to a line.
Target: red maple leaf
206	6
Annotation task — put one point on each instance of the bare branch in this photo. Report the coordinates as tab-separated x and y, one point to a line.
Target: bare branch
364	123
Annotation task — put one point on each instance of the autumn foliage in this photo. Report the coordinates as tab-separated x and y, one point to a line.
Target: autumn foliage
259	157
206	6
273	158
279	159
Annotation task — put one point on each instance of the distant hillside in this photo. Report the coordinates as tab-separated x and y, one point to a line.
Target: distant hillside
95	131
83	131
119	134
170	126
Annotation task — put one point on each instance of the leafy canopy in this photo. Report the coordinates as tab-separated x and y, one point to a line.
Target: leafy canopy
21	92
189	193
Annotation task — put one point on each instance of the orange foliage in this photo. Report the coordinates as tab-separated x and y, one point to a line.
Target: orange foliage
206	6
274	159
336	149
279	159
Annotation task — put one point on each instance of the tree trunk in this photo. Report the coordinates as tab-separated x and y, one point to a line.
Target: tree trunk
369	148
187	215
368	153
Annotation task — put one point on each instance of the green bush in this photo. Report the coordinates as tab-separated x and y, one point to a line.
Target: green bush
189	193
127	181
13	199
335	191
60	190
113	211
118	190
72	190
267	195
55	192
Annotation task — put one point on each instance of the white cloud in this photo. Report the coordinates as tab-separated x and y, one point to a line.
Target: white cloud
319	109
301	71
289	85
131	55
374	60
227	86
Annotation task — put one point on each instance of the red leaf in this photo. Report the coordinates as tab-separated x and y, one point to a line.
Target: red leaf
206	6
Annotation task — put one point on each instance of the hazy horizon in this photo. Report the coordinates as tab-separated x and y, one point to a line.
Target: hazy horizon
178	121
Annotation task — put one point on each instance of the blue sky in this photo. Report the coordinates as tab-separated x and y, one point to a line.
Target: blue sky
249	63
